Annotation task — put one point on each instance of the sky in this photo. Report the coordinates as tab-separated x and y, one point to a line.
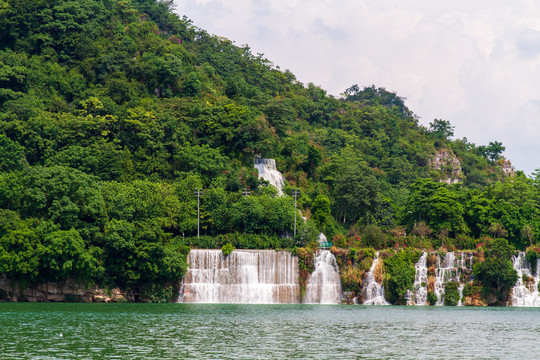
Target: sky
475	63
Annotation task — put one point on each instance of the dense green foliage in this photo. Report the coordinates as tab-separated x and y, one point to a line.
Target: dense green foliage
431	298
451	293
227	249
399	275
532	256
113	112
496	273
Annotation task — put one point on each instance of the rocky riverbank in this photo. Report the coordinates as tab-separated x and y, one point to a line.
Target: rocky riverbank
68	291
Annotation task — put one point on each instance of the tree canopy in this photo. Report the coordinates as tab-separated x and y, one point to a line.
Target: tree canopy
113	112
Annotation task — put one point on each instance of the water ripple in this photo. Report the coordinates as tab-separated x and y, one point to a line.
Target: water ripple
204	331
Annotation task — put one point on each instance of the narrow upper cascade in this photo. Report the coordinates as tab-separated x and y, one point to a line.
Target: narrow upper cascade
525	292
244	276
324	284
373	290
268	171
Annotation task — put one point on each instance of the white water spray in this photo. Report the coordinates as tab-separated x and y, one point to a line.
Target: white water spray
446	271
324	284
419	296
525	293
373	291
268	171
244	276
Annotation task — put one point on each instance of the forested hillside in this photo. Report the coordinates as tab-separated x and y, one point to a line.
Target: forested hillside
113	112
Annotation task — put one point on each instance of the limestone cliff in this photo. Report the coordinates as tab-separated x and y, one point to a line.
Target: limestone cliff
447	165
506	167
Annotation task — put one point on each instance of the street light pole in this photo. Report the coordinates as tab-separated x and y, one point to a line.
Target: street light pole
198	193
245	193
295	193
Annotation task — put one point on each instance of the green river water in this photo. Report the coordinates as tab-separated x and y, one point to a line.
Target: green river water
207	331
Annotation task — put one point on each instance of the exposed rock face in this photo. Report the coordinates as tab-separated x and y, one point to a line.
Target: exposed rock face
473	301
506	167
57	292
446	162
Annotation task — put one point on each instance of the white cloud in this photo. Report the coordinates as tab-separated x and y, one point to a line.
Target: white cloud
473	63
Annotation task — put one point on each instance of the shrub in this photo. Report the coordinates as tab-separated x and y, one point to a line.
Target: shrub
496	272
451	293
369	252
366	263
470	289
373	236
351	279
241	241
339	241
400	273
532	257
431	298
227	249
464	242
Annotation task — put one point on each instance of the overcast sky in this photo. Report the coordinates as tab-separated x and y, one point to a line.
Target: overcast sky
475	63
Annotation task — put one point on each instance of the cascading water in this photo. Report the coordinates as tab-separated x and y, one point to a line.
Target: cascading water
446	271
419	296
268	171
324	284
525	293
373	291
462	264
244	276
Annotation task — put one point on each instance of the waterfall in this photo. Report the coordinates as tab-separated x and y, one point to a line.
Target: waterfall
462	264
244	276
373	291
445	272
460	290
419	296
447	269
268	171
324	284
525	293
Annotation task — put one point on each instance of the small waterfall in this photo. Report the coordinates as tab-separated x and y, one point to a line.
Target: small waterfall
445	272
373	291
268	171
525	294
419	296
460	289
324	284
463	265
244	276
450	268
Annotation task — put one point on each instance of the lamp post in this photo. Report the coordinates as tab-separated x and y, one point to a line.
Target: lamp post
245	193
198	193
295	193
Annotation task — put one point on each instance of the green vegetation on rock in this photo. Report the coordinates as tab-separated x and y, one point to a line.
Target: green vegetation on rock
113	112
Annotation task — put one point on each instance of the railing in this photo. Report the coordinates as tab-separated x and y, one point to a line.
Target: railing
325	245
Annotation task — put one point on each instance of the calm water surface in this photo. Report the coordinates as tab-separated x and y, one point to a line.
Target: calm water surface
204	331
